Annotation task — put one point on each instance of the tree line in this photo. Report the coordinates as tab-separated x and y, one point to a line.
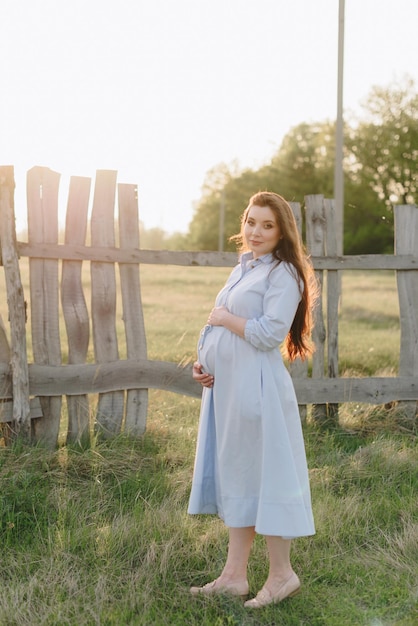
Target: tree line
380	171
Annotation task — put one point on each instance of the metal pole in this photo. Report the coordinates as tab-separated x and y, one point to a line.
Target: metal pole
339	135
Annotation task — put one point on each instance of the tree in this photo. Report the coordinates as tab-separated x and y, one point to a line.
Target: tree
204	227
380	166
158	239
368	226
385	143
304	163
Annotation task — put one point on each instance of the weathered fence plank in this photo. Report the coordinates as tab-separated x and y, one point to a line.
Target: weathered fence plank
129	255
103	299
16	354
316	239
406	242
208	259
133	374
366	262
6	417
93	378
42	196
6	406
74	306
136	399
299	368
333	298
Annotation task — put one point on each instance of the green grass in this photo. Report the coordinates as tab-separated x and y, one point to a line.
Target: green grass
102	537
369	330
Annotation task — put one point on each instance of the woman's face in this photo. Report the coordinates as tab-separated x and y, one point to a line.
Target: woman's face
261	231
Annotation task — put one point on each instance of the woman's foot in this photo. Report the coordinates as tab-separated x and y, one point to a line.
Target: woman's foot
274	594
217	587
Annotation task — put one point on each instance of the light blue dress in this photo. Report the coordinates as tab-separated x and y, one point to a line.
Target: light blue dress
250	465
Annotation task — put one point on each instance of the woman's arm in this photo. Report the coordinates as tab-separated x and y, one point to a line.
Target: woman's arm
280	304
220	316
279	307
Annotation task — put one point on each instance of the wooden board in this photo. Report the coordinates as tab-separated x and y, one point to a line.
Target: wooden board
42	195
103	299
361	262
133	318
16	354
134	374
316	238
74	306
333	300
406	242
299	368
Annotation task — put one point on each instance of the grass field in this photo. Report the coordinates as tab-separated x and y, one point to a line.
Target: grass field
101	536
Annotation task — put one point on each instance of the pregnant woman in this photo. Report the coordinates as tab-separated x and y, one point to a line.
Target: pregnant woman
250	465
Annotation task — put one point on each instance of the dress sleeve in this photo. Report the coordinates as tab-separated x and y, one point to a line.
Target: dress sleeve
279	308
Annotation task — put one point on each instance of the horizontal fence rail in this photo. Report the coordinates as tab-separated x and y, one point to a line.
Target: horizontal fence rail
72	380
207	259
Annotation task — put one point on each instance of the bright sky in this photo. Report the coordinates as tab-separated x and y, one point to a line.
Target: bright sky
164	90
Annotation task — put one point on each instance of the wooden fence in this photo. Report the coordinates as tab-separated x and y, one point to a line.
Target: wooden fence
31	393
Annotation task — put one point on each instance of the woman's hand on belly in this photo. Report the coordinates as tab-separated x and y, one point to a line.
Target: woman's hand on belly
206	380
220	316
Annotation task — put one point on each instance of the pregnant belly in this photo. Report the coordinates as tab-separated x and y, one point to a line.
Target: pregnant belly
212	346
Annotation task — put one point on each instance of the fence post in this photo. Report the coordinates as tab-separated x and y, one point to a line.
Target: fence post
298	368
315	238
42	194
74	306
333	297
133	317
406	242
103	300
17	307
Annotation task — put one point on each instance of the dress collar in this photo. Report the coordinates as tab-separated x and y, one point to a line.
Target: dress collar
247	258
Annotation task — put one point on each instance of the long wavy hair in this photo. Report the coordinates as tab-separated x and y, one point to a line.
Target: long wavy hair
290	249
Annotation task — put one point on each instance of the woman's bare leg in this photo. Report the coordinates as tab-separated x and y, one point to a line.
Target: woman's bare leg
282	581
234	574
239	548
279	558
